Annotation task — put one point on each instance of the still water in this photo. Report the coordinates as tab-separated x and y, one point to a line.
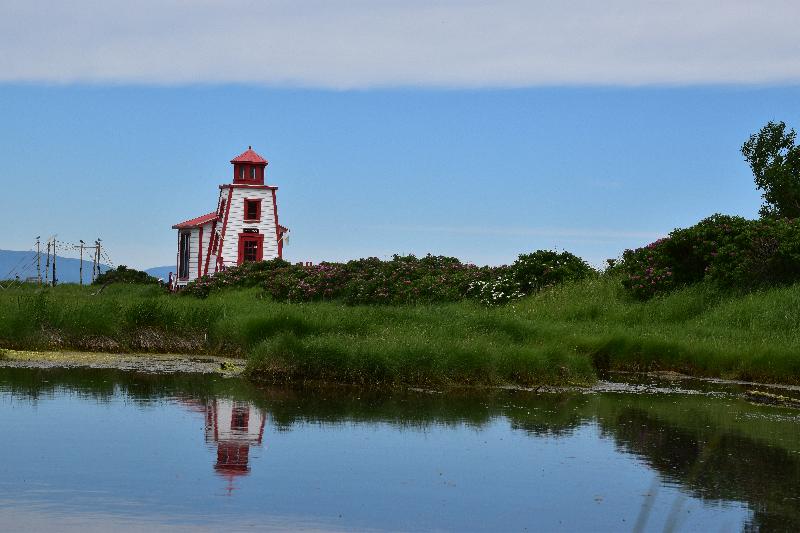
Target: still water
88	450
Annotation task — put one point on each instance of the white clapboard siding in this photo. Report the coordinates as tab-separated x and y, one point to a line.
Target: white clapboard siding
194	249
266	226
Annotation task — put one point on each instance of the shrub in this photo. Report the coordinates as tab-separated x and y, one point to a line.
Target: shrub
501	289
731	251
123	274
242	276
401	280
544	268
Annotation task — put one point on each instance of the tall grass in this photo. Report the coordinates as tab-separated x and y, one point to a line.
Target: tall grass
558	336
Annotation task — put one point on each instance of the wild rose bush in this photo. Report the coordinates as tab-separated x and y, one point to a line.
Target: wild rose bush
401	280
732	251
243	276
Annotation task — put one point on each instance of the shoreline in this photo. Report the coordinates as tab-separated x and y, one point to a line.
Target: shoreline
231	367
131	362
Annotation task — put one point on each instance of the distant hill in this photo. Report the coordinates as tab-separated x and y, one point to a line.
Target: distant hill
13	263
161	272
23	264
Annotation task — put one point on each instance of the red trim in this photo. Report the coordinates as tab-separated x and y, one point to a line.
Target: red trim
277	227
216	422
261	429
258	238
200	253
249	173
178	257
210	246
220	259
196	222
258	210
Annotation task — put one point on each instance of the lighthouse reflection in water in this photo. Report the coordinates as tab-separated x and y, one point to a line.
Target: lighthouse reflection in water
233	426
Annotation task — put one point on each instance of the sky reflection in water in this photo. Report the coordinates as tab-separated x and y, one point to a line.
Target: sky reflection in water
100	449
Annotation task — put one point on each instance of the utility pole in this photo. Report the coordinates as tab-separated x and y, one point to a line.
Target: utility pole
94	261
81	267
47	265
54	262
98	257
38	262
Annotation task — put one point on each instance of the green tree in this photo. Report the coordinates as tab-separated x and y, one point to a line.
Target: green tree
123	274
775	160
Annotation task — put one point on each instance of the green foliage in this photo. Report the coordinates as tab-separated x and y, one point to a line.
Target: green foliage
544	268
530	273
500	289
732	251
401	280
123	274
251	274
775	161
553	336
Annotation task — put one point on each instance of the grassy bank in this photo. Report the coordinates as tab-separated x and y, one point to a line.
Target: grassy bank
561	335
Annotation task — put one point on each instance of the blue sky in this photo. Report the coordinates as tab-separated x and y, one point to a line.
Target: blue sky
402	155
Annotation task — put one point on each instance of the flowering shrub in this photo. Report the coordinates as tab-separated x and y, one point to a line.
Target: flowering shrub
543	268
499	290
244	275
401	280
731	251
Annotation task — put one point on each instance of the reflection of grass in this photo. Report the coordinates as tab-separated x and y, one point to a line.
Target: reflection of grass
716	449
551	337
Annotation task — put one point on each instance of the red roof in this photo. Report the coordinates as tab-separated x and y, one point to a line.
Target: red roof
249	156
195	222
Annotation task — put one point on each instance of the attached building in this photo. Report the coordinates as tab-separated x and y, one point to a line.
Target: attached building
244	227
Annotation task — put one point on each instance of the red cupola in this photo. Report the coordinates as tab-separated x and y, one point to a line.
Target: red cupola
249	168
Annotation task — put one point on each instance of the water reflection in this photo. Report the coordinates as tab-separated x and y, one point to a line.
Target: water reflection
503	459
233	426
716	465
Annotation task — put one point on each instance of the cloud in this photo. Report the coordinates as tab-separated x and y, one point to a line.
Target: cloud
385	43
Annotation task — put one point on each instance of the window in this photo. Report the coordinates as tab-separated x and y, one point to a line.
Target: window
252	209
241	172
183	256
252	173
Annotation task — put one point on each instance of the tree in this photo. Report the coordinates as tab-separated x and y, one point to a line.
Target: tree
775	160
123	274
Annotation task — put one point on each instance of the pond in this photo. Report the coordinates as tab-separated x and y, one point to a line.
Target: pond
102	449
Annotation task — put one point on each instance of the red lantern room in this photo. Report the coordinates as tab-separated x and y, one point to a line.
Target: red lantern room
249	168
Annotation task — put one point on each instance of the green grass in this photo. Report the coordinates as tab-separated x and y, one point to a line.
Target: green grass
559	336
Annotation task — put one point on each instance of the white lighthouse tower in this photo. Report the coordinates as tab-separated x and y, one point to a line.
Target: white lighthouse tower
244	227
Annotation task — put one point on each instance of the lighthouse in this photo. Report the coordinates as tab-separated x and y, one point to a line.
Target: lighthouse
233	426
244	227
